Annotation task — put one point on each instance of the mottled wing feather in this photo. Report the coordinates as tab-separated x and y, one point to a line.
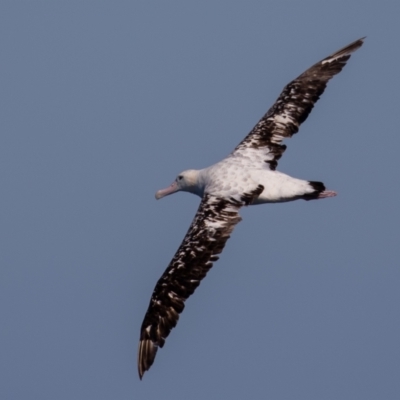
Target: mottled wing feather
205	239
292	107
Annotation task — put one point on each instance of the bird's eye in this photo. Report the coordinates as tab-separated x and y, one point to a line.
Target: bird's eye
180	177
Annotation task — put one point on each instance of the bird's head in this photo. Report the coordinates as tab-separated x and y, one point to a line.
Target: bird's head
186	181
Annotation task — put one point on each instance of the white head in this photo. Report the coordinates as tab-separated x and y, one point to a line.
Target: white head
186	181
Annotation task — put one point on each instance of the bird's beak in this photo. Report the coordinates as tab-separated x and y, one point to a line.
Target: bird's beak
169	190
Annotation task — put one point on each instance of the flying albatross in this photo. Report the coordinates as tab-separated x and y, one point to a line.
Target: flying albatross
247	176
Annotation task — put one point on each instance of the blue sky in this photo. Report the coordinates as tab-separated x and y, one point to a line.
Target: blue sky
102	104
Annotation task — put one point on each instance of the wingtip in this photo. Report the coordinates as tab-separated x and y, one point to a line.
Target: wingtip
146	354
361	40
356	44
344	53
352	46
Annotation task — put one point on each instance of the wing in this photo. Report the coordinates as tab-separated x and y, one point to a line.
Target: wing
206	237
292	108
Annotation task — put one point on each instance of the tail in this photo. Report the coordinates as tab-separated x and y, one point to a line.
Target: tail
319	191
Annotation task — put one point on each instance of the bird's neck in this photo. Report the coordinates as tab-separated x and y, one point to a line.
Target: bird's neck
199	183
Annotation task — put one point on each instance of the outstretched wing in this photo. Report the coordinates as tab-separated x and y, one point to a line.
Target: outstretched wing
292	107
205	239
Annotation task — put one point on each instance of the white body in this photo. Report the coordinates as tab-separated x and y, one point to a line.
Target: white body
235	175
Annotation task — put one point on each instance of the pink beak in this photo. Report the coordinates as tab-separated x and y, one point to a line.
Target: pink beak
169	190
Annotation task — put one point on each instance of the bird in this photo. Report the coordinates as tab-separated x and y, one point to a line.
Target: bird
247	176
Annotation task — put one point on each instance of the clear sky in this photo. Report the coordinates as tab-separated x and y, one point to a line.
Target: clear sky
103	103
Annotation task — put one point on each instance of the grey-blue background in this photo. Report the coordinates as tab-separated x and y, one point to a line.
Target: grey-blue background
103	103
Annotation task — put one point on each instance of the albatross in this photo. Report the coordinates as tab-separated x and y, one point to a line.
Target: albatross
248	176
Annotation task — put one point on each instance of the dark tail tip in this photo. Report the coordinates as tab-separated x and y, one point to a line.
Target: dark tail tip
318	187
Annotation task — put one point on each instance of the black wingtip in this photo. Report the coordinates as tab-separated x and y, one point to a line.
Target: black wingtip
146	355
356	44
347	50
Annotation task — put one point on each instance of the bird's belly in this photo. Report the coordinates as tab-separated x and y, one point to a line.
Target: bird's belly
279	187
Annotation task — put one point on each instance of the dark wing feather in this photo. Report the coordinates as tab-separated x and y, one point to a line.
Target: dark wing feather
293	106
205	239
